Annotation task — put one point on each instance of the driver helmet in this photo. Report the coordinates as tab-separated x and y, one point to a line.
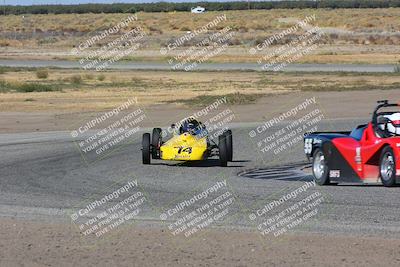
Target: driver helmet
393	124
190	125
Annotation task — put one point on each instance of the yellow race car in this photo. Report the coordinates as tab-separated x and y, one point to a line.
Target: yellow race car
190	142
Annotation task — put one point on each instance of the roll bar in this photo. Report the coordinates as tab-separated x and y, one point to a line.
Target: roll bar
381	104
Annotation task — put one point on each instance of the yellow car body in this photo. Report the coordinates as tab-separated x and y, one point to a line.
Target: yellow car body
185	147
189	143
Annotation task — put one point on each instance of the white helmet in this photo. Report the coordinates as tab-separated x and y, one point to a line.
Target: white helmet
393	126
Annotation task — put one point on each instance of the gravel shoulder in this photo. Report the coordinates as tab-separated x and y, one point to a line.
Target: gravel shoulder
335	105
26	243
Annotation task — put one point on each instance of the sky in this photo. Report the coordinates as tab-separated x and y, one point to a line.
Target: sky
66	2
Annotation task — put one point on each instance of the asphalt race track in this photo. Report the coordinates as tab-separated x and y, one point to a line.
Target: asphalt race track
44	177
386	68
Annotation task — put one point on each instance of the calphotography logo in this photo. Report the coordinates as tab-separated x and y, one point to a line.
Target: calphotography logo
288	212
192	34
107	213
277	37
299	44
200	133
283	133
199	46
101	135
200	210
106	33
123	44
222	118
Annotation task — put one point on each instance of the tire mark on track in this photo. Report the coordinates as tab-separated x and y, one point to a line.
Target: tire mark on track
290	172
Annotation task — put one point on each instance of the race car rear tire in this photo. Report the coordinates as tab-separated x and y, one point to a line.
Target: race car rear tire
320	168
156	143
223	151
229	144
146	148
387	167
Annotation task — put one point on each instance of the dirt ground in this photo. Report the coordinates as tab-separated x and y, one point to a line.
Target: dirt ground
36	244
324	54
351	104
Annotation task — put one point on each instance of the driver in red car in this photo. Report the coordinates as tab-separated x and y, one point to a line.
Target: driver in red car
390	125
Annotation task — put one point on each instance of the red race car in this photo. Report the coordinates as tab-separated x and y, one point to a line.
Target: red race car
368	154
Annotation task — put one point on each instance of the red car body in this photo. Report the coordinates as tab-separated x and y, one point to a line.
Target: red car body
362	155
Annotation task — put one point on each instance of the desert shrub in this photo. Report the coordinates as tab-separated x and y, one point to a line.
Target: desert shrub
89	76
234	41
42	73
101	77
210	6
185	29
3	86
34	87
76	79
154	29
26	87
232	99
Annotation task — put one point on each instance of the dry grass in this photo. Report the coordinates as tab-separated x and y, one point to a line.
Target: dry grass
324	54
178	88
366	27
178	22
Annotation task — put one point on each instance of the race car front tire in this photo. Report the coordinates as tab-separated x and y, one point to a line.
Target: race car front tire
146	148
229	144
156	143
320	168
223	151
387	167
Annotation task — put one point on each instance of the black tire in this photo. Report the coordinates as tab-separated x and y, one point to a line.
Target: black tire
223	151
146	148
156	143
387	167
229	144
320	168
